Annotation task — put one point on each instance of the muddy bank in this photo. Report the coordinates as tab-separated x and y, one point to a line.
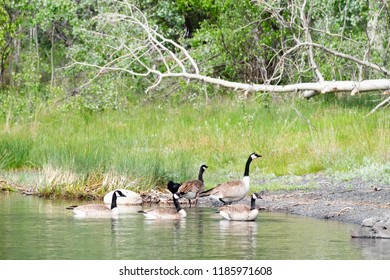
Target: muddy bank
318	196
350	201
357	201
354	201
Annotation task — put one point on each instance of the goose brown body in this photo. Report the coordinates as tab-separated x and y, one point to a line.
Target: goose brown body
98	210
192	188
240	212
232	191
166	213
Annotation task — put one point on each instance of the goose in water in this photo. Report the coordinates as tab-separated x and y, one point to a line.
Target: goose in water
98	210
240	212
166	213
232	191
191	189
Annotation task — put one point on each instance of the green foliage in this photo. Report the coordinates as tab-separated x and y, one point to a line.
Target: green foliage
236	40
147	145
166	15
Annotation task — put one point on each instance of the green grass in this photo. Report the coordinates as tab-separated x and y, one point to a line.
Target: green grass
78	153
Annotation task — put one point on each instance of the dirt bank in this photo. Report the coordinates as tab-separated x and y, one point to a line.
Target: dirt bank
349	201
323	197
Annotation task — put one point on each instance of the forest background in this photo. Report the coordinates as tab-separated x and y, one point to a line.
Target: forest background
72	127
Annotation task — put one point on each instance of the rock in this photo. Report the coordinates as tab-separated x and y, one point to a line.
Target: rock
132	198
374	227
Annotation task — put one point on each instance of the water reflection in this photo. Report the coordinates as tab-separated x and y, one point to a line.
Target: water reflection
372	249
35	228
242	235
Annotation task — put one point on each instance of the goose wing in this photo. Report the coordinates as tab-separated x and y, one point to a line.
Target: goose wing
231	189
92	208
166	213
237	212
191	188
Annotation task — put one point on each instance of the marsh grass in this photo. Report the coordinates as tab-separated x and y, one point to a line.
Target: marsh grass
84	154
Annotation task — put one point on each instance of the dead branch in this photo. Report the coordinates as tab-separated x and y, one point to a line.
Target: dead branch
155	57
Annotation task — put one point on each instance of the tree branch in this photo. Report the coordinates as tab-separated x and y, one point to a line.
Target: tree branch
146	53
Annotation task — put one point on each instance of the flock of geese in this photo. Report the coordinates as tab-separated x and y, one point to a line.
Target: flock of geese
227	193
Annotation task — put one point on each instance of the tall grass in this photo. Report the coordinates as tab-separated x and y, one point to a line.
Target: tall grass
81	152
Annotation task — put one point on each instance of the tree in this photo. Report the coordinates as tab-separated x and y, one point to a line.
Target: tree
124	40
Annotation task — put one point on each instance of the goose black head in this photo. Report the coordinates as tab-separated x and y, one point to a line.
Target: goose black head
256	196
173	187
254	155
118	192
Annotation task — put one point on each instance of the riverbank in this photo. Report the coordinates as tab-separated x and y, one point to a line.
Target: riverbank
318	196
355	200
350	201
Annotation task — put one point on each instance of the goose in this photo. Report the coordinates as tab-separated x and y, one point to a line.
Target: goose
240	212
232	191
97	210
166	214
191	189
173	187
130	198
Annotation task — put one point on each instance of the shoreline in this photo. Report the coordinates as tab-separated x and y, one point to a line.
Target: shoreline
356	201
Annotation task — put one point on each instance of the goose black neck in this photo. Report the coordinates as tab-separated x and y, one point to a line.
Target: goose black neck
177	204
248	163
253	203
113	201
200	176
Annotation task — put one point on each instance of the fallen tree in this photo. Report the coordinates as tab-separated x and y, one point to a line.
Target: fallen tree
146	53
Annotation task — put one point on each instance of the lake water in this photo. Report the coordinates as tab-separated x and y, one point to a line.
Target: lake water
41	229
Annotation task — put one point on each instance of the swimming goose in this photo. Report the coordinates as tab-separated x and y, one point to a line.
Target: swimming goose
240	212
191	189
167	213
97	210
232	191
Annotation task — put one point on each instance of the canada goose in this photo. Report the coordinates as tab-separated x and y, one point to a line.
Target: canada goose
166	214
97	210
191	189
240	212
234	190
130	198
173	187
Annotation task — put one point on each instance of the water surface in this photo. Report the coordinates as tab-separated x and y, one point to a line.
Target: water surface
36	228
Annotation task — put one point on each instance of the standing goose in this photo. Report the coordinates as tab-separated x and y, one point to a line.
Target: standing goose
173	187
240	212
191	189
232	191
166	214
97	210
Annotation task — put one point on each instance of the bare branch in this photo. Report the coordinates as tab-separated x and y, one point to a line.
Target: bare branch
146	53
350	57
380	105
305	24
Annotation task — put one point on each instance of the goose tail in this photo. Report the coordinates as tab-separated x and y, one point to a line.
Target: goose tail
207	193
71	207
